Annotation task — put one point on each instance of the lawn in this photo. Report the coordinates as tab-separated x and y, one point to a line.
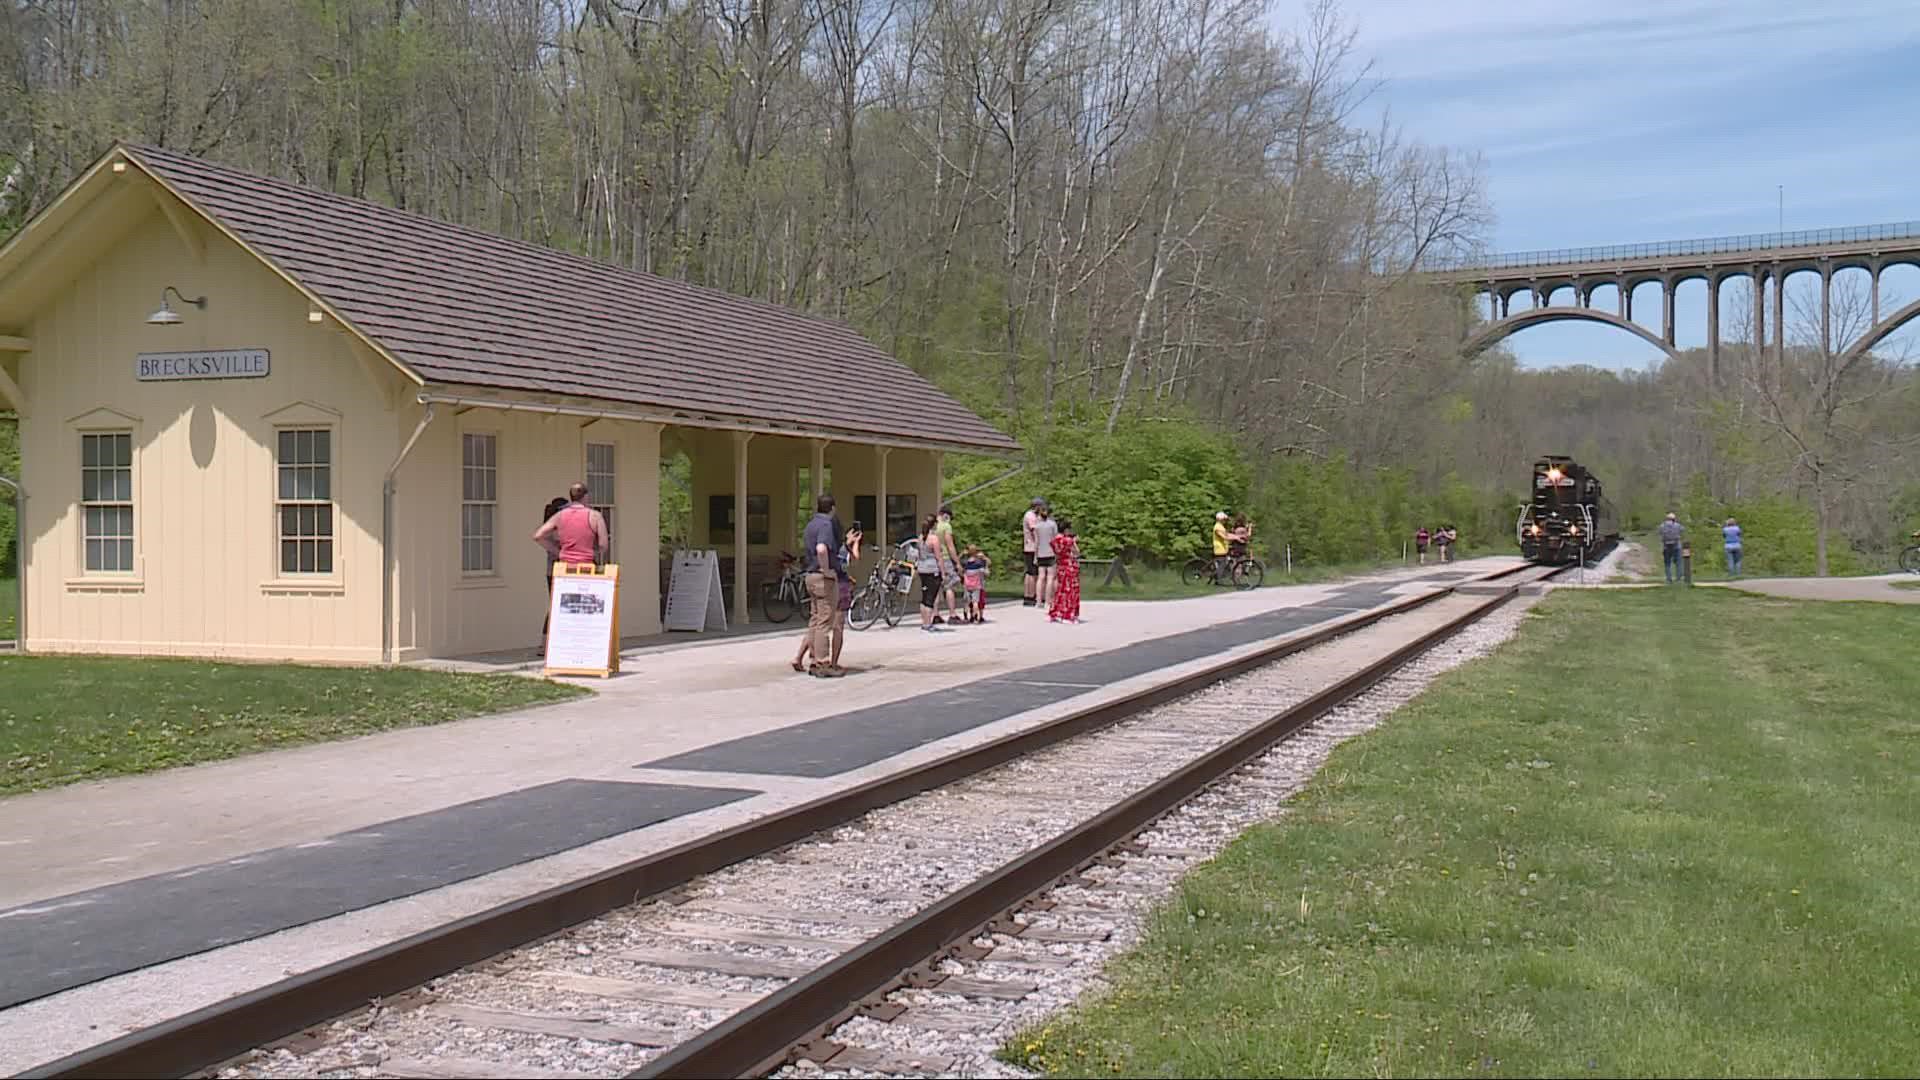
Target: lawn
1687	853
67	719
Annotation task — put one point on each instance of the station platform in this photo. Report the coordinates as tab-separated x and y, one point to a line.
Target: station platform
126	902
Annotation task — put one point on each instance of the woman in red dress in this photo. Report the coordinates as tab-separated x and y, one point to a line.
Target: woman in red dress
1066	589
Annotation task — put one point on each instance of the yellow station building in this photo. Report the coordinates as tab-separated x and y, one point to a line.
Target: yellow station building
263	421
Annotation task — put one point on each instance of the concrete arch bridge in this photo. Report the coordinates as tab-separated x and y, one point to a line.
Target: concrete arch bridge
1766	260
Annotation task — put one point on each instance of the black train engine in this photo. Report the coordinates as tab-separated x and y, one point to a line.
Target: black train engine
1567	516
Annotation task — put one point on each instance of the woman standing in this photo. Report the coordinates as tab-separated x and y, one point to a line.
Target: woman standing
1730	532
1066	568
927	565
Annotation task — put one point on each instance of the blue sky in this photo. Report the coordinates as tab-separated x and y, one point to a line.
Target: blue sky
1647	120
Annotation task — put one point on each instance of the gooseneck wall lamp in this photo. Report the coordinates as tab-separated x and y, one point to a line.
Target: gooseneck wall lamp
166	316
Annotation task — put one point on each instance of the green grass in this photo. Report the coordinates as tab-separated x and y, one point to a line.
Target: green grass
67	719
1163	583
1689	852
1914	584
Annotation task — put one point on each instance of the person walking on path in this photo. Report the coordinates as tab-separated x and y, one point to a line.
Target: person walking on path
1421	538
1731	533
1044	532
1066	589
1027	545
820	551
950	579
1670	533
927	564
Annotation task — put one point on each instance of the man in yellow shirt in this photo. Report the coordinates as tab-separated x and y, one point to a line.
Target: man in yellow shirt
1220	538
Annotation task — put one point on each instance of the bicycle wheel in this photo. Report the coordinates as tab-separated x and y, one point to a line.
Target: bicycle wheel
1248	574
896	607
1196	572
1910	559
776	603
868	605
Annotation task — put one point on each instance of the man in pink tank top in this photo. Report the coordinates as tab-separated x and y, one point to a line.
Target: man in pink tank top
577	534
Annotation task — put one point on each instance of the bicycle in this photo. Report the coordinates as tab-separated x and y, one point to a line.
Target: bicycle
884	596
780	599
1243	572
1910	558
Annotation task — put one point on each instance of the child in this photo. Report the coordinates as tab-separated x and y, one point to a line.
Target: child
974	566
1066	589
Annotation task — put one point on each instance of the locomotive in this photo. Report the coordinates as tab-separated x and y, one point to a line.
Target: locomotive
1567	516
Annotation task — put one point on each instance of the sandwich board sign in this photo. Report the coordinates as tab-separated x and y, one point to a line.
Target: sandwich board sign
583	629
695	600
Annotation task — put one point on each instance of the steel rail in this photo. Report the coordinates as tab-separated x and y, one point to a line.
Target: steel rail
760	1038
228	1028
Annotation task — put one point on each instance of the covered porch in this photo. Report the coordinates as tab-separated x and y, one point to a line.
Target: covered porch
747	496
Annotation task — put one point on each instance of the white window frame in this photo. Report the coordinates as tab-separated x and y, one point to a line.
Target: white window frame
602	486
130	537
480	491
329	541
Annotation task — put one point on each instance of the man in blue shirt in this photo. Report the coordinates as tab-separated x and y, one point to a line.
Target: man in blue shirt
1731	532
820	561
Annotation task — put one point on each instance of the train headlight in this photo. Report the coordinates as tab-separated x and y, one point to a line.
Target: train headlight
1573	530
1534	529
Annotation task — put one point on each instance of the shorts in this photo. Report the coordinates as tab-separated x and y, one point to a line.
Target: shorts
974	596
846	594
929	589
1421	547
1033	563
1045	562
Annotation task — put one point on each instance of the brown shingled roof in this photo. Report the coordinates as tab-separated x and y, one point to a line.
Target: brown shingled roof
462	307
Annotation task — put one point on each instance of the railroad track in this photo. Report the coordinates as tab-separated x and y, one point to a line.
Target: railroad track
875	915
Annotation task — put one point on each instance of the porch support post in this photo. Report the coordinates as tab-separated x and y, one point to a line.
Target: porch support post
740	441
817	470
880	499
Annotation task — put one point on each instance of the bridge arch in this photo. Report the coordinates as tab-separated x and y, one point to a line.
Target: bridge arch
1494	333
1880	331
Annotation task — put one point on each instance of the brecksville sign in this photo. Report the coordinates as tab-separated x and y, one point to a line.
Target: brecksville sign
224	364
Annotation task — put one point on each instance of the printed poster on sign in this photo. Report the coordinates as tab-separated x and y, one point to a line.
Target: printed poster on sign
581	634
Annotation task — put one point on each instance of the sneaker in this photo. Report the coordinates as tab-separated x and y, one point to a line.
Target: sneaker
939	620
821	671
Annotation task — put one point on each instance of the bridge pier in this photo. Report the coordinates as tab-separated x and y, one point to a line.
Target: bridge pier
1713	327
1779	316
1759	312
1826	307
1873	271
1666	312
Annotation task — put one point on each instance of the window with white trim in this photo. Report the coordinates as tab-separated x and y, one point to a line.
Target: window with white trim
303	500
106	501
479	499
600	479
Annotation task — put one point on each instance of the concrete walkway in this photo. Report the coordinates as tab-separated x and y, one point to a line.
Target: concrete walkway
1878	589
91	834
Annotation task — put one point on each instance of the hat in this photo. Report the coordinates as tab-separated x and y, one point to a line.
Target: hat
1670	515
1038	501
1221	516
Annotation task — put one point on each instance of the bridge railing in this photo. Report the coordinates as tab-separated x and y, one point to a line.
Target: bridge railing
1901	230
